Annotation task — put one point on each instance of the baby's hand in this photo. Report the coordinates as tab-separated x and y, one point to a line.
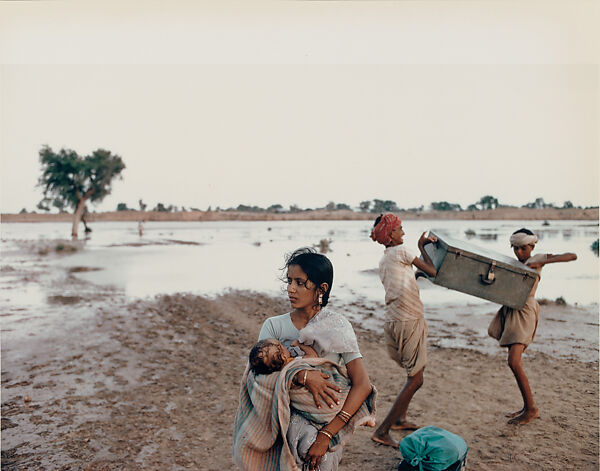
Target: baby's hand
309	352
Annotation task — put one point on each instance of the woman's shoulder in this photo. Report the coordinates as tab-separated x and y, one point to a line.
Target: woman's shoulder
333	321
278	320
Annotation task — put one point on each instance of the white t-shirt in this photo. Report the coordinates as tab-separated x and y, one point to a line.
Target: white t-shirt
283	329
402	300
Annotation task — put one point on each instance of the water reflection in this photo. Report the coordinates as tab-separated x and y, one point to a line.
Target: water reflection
208	257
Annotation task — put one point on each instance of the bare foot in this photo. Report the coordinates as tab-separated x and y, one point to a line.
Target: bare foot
527	416
405	426
385	440
510	415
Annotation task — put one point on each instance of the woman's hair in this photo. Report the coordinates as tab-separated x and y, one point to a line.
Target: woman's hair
257	357
523	231
317	267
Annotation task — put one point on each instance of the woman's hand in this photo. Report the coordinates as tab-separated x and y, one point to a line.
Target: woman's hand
317	450
309	352
321	389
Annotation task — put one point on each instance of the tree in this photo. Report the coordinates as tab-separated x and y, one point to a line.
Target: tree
567	205
445	206
539	203
161	208
364	206
387	206
488	202
71	181
142	205
122	207
275	208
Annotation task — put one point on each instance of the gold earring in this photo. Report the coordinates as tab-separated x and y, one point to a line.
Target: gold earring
320	299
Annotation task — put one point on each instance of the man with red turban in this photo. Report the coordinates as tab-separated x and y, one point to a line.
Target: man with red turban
405	327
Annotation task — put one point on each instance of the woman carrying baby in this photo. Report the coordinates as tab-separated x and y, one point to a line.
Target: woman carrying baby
314	444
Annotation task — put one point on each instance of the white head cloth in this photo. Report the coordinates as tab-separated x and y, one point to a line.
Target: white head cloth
520	239
329	332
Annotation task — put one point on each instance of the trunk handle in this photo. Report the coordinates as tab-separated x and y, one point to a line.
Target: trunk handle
490	278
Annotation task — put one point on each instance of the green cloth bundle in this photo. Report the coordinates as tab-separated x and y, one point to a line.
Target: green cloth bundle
433	449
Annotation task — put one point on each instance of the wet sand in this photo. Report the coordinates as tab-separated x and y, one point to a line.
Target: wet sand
99	382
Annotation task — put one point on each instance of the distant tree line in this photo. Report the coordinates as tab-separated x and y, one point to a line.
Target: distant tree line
374	206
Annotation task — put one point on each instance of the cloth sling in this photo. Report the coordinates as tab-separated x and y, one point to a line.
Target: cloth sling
265	407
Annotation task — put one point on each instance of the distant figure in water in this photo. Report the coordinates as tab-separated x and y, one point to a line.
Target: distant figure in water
141	228
515	328
83	217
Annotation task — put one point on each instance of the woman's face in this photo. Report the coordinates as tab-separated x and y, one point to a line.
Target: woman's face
301	291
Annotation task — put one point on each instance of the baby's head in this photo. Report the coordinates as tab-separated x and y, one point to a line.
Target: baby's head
523	242
268	356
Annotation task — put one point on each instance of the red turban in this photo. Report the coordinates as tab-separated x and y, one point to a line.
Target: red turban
382	232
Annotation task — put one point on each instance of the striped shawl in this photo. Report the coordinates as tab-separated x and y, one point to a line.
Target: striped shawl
265	405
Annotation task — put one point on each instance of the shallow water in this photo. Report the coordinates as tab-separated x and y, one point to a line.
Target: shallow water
40	293
208	257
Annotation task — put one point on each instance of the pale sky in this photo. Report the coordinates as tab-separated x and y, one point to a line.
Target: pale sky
304	103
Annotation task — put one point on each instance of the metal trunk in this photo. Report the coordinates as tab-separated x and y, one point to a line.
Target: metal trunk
480	272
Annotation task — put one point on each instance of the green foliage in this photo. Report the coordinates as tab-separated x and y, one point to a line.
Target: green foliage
251	209
122	207
488	202
567	205
594	247
67	179
560	301
164	209
275	208
539	203
445	206
364	206
384	206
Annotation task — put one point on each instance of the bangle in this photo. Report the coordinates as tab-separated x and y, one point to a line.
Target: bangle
345	416
326	433
304	378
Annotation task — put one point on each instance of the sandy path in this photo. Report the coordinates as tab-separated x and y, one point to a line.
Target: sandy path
154	385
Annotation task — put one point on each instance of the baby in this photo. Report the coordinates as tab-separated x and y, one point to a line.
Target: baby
270	355
306	420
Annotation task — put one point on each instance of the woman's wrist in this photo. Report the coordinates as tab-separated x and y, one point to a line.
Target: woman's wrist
300	377
326	433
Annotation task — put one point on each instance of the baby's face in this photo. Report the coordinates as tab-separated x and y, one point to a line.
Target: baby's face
277	353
